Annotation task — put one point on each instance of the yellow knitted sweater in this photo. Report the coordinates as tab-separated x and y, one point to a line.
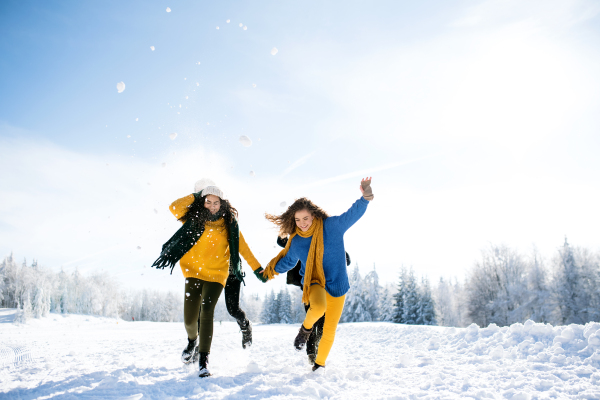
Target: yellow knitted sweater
209	258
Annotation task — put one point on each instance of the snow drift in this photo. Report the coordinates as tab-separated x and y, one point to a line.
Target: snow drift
95	357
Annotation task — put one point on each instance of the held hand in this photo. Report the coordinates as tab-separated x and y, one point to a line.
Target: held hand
259	274
365	189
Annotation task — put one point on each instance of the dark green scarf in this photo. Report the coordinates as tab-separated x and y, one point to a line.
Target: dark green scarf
187	236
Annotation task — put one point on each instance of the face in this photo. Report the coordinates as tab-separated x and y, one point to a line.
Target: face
213	203
304	219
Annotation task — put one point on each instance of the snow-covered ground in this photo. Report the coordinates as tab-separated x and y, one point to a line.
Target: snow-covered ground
78	356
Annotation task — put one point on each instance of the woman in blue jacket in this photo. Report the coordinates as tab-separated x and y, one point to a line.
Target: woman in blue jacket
317	241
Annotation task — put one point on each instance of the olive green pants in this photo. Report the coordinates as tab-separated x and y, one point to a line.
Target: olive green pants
200	297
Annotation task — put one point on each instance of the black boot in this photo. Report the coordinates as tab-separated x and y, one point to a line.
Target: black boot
246	328
204	372
312	358
317	366
190	353
302	337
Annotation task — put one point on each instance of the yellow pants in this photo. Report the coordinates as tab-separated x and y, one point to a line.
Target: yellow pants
321	303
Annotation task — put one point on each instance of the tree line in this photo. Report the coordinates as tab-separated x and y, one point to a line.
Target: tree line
503	287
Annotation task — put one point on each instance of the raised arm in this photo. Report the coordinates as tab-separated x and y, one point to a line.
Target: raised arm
357	210
179	207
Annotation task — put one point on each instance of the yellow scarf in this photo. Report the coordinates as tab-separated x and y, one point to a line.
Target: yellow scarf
313	272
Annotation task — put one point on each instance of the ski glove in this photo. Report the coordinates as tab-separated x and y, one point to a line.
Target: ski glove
368	192
259	274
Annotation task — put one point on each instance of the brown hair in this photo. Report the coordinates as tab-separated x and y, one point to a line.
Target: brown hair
197	211
287	221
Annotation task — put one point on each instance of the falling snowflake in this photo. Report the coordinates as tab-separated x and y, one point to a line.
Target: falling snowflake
155	211
252	173
120	87
254	85
136	119
282	204
197	83
128	136
274	51
152	48
217	27
173	135
164	164
245	141
139	248
168	9
245	28
228	21
241	24
186	97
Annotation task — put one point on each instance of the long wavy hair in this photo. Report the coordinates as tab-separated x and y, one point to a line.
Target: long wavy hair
287	221
201	214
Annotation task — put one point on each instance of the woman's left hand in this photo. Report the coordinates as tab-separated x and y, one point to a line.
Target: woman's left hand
259	274
365	188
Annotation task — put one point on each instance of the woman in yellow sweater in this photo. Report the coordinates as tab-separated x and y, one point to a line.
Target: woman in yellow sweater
207	246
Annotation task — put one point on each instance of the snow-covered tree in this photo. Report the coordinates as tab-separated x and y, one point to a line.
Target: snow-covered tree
285	307
426	314
399	297
371	294
355	309
270	311
411	300
386	304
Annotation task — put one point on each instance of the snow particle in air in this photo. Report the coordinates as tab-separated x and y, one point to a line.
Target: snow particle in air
254	85
274	51
164	164
245	141
139	248
120	87
198	63
197	83
186	97
187	294
152	48
217	27
128	136
245	28
168	9
155	211
173	135
252	173
282	204
228	21
241	24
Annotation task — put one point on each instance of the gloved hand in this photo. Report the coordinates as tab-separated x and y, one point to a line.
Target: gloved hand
259	274
365	188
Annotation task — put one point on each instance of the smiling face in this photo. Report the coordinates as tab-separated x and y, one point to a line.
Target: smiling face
304	219
213	203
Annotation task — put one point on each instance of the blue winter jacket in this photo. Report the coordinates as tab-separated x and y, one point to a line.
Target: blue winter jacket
334	254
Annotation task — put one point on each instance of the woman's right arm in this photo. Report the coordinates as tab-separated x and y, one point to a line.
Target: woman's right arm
286	263
179	207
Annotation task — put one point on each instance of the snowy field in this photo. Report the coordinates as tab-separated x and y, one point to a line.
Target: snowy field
80	357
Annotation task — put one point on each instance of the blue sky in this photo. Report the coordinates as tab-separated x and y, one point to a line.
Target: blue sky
477	120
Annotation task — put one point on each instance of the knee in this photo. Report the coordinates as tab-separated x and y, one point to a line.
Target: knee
317	308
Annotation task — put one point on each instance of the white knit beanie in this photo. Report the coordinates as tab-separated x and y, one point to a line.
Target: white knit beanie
207	186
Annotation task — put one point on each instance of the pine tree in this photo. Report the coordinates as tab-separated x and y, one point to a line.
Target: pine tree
426	305
371	293
285	307
399	297
411	300
354	309
567	290
386	305
269	306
